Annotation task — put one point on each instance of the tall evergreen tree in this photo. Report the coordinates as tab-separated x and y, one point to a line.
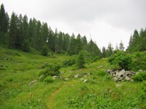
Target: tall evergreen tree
24	34
13	32
80	61
4	23
93	49
134	42
78	44
72	45
121	46
51	40
109	50
44	36
84	43
103	52
66	41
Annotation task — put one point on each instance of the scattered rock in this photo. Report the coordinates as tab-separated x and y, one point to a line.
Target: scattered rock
85	81
121	75
118	85
66	79
76	75
32	82
54	77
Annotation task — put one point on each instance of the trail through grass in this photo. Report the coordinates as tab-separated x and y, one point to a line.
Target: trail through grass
92	88
51	100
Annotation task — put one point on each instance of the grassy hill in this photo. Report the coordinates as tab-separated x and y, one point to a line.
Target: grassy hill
87	88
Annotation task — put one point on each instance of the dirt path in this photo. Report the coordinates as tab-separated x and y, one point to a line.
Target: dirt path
51	99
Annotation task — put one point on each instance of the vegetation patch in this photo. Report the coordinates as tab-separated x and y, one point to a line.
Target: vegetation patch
141	76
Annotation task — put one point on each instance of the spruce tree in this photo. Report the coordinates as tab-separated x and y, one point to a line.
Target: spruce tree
4	23
13	32
80	61
121	46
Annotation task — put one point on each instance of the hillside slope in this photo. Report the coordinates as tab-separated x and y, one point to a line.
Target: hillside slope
90	87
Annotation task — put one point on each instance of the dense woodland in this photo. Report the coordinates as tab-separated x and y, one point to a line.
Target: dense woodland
19	32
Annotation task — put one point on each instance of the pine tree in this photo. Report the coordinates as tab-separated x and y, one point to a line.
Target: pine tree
4	20
4	23
121	46
13	32
80	61
103	52
78	44
109	50
72	45
84	43
93	49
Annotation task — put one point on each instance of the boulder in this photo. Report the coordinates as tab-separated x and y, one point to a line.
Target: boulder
121	75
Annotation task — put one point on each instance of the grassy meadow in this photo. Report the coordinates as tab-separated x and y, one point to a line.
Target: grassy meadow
87	88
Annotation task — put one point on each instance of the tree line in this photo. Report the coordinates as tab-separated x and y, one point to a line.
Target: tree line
137	41
19	32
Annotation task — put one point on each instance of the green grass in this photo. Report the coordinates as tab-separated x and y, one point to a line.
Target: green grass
20	87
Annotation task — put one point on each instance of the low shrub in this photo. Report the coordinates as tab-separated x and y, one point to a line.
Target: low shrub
101	73
69	62
122	60
48	79
139	63
141	76
95	59
52	70
143	95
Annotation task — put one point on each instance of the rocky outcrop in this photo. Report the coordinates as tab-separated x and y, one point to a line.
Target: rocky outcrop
121	75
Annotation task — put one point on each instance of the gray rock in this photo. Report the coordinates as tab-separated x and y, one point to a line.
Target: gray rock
121	75
76	75
127	78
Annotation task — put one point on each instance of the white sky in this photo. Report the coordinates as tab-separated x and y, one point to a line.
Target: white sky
103	21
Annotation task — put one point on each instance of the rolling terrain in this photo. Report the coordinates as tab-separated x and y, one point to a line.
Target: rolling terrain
87	88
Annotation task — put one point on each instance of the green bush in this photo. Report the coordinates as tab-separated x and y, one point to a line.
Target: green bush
139	61
52	70
80	61
69	62
48	79
95	59
122	60
101	73
140	76
142	96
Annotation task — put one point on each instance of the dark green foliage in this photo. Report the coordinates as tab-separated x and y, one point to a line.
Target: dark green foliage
101	73
141	76
45	51
137	41
142	96
13	32
107	99
72	43
122	60
94	59
30	34
107	52
139	61
52	70
69	62
93	49
4	23
25	46
80	61
48	79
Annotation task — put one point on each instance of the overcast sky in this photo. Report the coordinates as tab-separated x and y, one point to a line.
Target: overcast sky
104	21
